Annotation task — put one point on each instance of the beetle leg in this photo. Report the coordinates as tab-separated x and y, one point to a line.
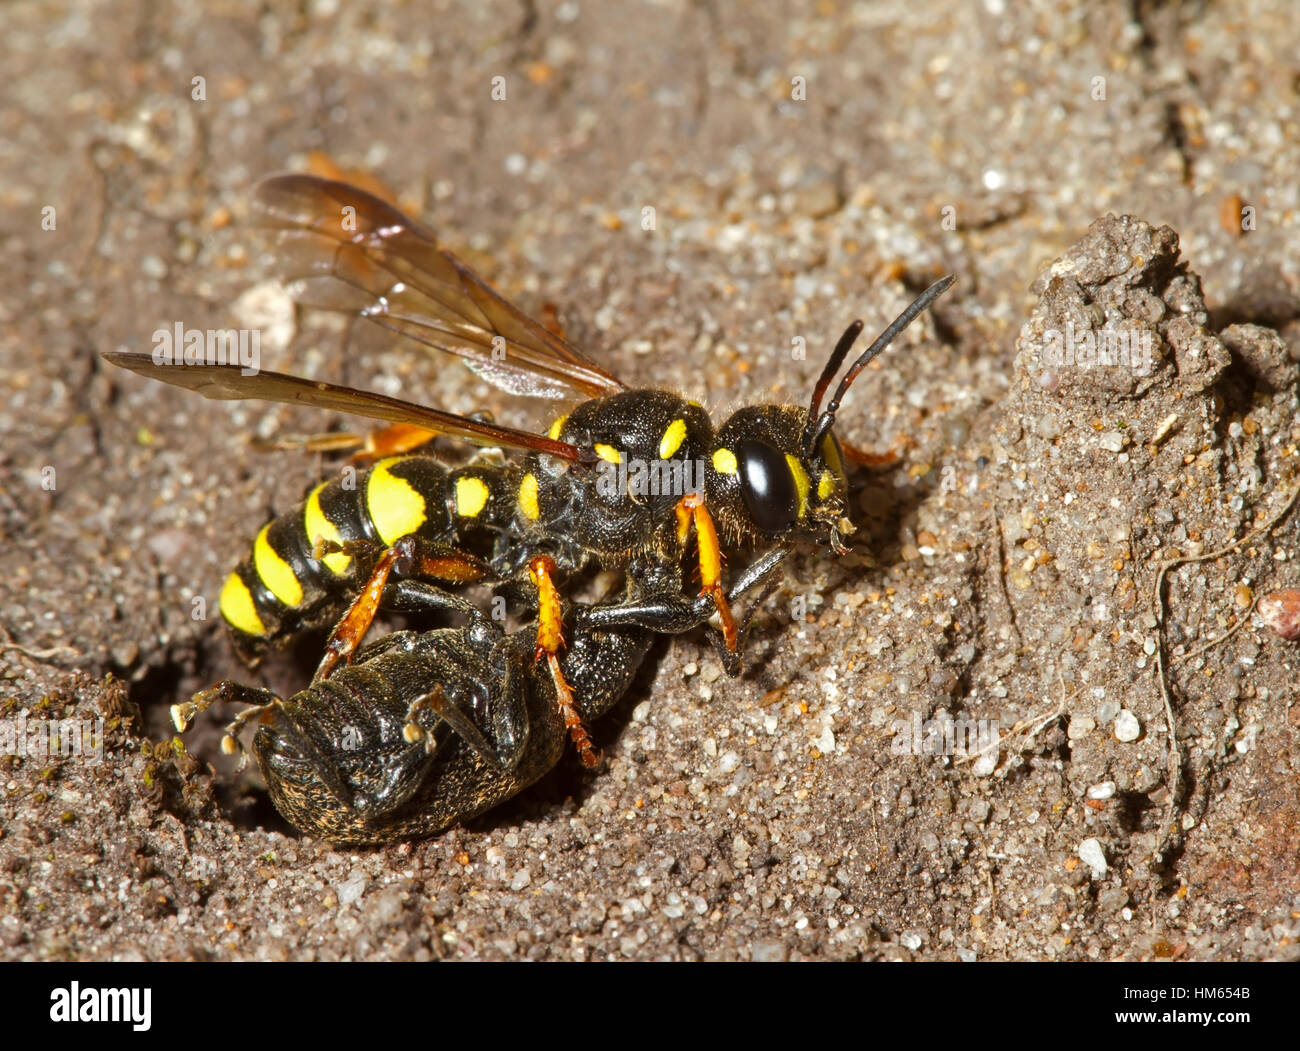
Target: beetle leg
436	701
411	556
260	703
508	716
416	596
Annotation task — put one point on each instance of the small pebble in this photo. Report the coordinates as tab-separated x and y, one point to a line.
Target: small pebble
1080	726
1103	790
1112	899
1091	854
1127	727
769	952
1162	431
1280	612
352	889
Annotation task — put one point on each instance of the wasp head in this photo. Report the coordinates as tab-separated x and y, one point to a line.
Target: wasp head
778	473
766	484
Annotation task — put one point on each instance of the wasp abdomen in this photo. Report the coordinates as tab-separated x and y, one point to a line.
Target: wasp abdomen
295	578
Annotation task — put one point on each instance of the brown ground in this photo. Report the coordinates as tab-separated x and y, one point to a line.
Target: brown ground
1015	546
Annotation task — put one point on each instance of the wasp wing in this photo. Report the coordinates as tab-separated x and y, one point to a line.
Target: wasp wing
230	383
349	251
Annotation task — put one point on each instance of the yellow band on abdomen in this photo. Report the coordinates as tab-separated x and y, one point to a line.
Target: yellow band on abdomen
319	527
238	608
396	509
275	572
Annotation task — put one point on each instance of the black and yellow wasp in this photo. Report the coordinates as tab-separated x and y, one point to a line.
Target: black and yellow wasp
628	475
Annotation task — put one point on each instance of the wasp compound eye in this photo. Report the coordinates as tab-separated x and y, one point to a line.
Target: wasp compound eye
767	485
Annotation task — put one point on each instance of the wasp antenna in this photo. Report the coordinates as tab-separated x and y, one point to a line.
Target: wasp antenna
833	364
817	431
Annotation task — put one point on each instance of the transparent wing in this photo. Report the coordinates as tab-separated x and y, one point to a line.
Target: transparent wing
346	250
229	383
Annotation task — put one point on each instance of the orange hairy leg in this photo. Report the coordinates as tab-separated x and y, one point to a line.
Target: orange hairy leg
550	639
408	557
691	510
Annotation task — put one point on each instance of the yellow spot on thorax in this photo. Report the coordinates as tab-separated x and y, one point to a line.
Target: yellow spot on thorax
471	496
557	428
608	453
319	527
801	482
396	509
724	461
528	497
825	485
672	439
275	572
238	608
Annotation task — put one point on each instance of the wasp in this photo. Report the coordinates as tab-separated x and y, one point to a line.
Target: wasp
627	476
627	473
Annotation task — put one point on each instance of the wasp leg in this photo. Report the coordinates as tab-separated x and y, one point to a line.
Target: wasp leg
386	441
669	612
691	510
329	441
411	556
733	660
392	441
758	572
550	637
